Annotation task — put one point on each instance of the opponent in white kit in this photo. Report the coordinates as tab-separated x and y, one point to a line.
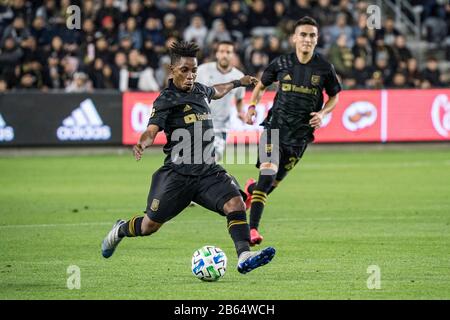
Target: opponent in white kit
222	71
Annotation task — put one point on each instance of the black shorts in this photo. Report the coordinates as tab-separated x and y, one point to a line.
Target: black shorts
171	192
284	156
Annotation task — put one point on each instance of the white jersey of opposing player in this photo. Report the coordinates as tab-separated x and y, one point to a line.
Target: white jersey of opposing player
209	75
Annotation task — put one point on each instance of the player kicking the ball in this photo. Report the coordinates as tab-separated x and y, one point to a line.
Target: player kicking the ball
189	172
297	111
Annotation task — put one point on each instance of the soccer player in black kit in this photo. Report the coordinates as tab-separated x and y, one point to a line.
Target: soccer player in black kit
189	172
297	111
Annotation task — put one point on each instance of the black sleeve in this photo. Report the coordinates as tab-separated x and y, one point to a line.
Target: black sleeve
270	74
208	91
159	115
332	85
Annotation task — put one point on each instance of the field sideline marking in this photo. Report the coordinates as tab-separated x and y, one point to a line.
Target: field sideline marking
83	224
377	165
87	224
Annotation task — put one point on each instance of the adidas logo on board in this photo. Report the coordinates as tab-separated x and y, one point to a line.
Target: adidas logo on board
84	124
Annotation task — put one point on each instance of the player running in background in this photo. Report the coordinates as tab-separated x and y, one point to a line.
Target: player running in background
222	71
189	172
297	111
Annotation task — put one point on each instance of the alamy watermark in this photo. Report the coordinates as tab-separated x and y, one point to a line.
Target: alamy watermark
73	21
373	17
374	280
197	147
74	279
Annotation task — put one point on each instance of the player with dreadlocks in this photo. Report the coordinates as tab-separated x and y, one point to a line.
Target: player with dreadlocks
190	172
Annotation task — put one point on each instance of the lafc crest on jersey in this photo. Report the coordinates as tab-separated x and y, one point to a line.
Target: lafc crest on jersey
155	205
315	80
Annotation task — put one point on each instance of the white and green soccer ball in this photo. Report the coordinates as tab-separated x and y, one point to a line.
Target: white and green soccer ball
209	263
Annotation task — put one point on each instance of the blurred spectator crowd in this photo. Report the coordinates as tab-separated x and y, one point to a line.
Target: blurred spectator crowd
123	44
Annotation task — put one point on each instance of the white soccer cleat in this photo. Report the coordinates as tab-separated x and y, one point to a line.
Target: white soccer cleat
112	240
251	260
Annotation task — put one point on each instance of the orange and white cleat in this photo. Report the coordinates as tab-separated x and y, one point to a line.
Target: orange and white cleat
248	201
255	237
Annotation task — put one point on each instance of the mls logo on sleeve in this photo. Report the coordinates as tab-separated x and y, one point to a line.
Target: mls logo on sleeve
6	132
84	124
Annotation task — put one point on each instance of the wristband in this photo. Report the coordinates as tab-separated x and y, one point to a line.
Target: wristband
252	106
236	83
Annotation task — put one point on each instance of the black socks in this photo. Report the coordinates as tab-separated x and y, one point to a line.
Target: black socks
132	228
239	231
259	197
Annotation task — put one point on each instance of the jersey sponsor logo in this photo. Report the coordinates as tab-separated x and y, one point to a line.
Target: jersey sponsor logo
191	118
315	80
359	115
298	89
204	116
84	124
440	115
6	132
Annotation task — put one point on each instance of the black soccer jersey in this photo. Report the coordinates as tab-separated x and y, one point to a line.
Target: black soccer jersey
186	120
299	93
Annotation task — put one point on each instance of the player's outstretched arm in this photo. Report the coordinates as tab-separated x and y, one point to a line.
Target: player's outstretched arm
317	117
256	97
223	88
146	140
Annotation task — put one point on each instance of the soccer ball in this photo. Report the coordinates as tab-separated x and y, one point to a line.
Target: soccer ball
209	263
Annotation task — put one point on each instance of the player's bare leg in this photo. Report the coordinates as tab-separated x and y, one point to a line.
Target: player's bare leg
239	231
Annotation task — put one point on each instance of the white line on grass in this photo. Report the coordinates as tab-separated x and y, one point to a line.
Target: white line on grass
53	225
369	164
196	221
376	165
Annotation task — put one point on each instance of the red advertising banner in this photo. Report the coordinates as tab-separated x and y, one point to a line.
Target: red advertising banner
418	115
360	116
137	108
356	118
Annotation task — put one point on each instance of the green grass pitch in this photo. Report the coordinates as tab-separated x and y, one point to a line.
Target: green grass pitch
340	211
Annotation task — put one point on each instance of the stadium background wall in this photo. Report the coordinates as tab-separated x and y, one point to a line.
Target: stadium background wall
108	118
360	116
36	119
